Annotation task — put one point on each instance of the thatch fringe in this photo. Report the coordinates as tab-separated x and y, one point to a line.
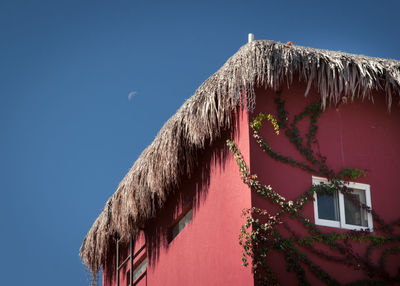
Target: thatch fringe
202	118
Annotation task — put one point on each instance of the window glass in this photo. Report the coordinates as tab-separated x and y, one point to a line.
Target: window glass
354	213
328	206
140	269
181	224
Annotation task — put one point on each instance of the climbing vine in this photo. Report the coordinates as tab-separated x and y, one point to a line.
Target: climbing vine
264	231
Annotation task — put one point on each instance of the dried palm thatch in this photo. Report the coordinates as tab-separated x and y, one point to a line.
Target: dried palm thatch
202	118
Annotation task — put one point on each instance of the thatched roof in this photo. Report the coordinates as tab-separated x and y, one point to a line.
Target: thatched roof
202	118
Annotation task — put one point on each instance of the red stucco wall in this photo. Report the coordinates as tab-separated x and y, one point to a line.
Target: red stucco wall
207	251
363	135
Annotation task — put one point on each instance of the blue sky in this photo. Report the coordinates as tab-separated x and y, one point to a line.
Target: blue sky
69	129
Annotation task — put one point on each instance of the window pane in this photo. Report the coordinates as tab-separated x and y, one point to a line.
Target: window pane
328	206
354	214
140	269
181	224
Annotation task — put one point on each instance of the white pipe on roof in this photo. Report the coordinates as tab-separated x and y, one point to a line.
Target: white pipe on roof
251	37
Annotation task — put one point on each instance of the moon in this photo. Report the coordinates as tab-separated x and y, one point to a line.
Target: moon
131	94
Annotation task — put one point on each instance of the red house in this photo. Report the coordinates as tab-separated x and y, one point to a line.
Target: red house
320	198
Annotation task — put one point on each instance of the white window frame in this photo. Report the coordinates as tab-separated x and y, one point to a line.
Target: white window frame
357	188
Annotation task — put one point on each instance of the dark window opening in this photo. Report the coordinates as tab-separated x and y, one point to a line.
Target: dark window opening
181	223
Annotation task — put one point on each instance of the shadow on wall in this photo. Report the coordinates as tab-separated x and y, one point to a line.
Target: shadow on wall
192	192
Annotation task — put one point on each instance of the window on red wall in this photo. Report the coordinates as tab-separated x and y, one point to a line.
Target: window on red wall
139	271
343	211
180	224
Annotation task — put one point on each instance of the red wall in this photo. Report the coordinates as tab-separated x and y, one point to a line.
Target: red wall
207	251
361	135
